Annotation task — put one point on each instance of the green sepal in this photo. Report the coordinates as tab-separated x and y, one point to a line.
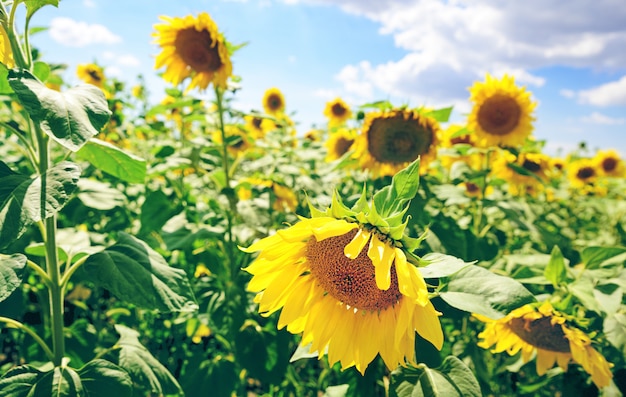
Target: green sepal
315	213
361	204
412	243
338	209
374	218
403	189
396	232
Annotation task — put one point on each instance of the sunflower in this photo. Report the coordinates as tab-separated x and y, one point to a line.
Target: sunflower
284	197
273	101
258	126
6	53
525	173
609	163
346	285
192	47
390	140
337	112
452	136
502	112
546	331
238	140
339	143
91	73
582	173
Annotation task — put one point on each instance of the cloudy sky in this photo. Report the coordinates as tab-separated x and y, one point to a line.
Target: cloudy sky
568	53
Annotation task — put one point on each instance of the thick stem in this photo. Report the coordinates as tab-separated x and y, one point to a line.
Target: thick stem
55	291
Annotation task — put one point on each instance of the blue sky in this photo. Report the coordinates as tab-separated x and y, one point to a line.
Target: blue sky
568	53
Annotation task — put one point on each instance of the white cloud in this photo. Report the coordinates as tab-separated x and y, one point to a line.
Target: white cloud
451	44
89	3
613	93
325	94
599	118
73	33
568	93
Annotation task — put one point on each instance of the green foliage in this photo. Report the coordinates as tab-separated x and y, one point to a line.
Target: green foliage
11	271
114	161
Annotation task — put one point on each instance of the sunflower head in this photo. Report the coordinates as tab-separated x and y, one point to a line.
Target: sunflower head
390	140
238	140
609	163
339	143
344	279
550	334
582	173
502	113
273	101
192	47
525	173
258	126
337	112
91	73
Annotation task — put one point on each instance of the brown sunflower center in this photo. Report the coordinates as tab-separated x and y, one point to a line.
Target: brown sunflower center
95	75
398	140
351	281
541	333
585	173
274	102
499	115
256	122
472	187
198	50
338	110
342	146
609	164
531	166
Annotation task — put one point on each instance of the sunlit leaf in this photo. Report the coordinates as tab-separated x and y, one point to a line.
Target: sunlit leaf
555	269
11	271
138	275
71	118
114	161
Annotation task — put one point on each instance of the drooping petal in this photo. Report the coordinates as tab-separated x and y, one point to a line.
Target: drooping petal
354	248
382	257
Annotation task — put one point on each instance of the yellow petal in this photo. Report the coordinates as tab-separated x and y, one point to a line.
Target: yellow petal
545	361
333	228
353	248
382	257
426	322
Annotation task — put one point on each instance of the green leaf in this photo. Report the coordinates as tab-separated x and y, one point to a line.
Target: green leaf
440	265
582	289
403	188
336	391
615	330
137	274
41	70
5	88
99	195
156	210
21	204
144	369
114	161
441	115
452	379
593	257
102	378
555	270
11	271
70	118
477	290
33	5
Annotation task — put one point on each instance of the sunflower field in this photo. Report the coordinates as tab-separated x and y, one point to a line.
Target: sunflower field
193	248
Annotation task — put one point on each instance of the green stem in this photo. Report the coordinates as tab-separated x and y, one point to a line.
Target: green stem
14	323
71	270
16	48
55	292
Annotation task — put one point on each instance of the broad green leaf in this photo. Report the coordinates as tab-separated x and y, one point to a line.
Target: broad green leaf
593	257
11	271
102	378
555	270
403	188
26	381
582	289
144	369
441	115
114	161
440	265
477	290
99	195
156	210
70	118
22	202
33	5
138	275
41	70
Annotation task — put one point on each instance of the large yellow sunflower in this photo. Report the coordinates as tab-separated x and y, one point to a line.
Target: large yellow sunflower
337	112
582	173
609	163
91	73
502	113
192	47
390	140
338	143
546	331
347	287
273	101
